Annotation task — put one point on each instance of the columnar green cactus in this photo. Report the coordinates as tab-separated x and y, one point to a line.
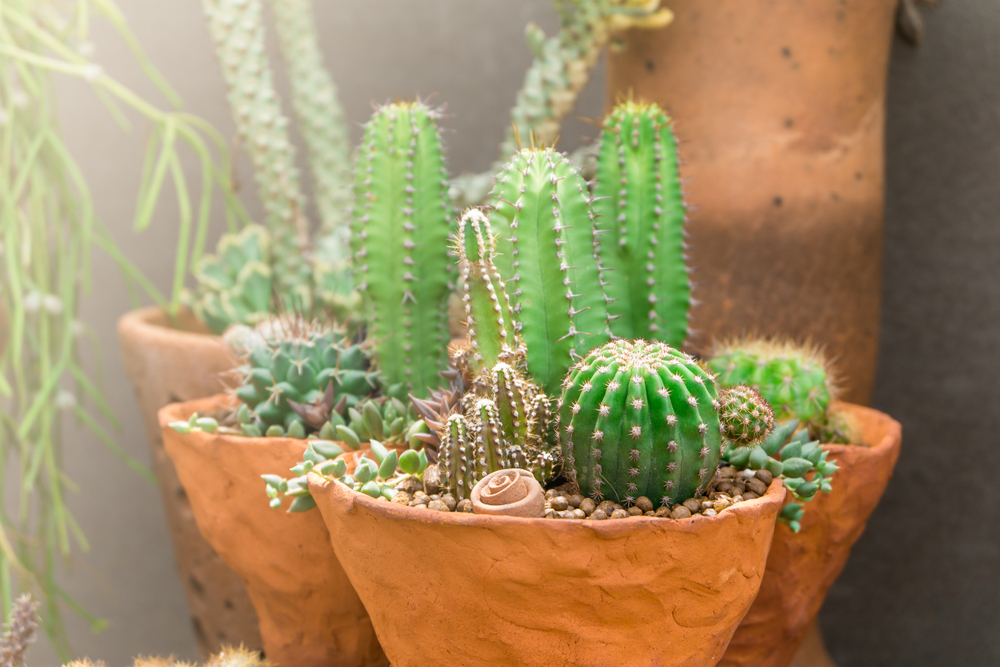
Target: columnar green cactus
238	31
294	376
640	419
234	285
400	242
547	250
793	378
641	217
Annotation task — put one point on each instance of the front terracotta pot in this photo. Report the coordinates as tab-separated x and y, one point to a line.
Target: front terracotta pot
310	615
802	566
170	361
455	589
780	113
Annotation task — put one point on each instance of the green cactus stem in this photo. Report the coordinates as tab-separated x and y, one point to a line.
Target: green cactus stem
237	29
746	417
400	242
639	419
641	218
794	379
547	249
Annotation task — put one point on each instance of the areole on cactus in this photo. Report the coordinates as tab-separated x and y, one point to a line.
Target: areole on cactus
399	237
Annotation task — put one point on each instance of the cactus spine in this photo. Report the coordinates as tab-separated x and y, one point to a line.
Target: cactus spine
641	216
400	242
238	31
548	246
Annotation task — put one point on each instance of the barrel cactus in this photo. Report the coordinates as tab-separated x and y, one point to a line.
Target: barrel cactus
793	379
547	250
641	217
399	237
295	373
640	418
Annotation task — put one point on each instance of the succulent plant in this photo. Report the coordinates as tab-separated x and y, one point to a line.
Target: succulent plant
641	216
296	375
547	249
399	238
793	379
639	418
789	454
387	420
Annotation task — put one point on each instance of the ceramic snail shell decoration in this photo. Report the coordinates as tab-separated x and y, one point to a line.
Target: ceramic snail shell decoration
509	492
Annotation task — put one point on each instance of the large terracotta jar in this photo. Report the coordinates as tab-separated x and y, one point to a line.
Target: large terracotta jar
170	360
482	591
802	566
310	615
780	111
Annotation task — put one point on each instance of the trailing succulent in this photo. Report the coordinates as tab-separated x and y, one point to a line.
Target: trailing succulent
502	420
640	418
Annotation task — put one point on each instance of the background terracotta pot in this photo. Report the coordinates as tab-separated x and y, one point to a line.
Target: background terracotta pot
802	566
310	615
171	361
481	591
780	111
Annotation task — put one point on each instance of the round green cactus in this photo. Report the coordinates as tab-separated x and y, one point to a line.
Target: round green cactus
793	379
295	373
639	419
746	417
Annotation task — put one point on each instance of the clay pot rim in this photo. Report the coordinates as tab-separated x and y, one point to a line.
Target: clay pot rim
609	528
893	430
153	321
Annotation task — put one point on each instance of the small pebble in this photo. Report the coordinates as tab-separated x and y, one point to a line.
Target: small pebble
411	485
706	504
550	513
634	511
663	511
710	512
749	474
588	506
419	506
749	495
450	501
575	500
435	496
598	515
619	514
727	472
649	514
724	487
420	500
737	499
402	497
645	504
465	505
721	504
419	494
437	506
381	499
607	507
619	507
765	476
679	512
692	505
550	494
579	514
559	503
566	514
757	486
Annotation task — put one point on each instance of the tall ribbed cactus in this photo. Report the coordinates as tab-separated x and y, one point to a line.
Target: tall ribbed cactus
547	250
238	31
641	216
399	237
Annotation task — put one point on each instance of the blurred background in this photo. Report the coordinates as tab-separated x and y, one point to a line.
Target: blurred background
923	584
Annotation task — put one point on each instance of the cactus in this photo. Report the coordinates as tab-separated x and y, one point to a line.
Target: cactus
794	379
745	416
547	250
400	243
789	454
639	418
238	31
641	217
20	632
234	285
296	376
385	419
228	657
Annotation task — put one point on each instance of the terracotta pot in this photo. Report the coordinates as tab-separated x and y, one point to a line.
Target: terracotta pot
802	566
456	589
179	361
780	111
310	615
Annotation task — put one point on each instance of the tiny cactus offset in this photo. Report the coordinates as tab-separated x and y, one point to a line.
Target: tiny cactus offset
399	238
639	419
547	252
746	417
641	217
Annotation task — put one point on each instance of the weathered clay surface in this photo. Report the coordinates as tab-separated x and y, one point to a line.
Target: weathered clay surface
178	363
310	615
780	112
801	567
456	589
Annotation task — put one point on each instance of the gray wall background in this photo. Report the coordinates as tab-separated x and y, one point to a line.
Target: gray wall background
923	585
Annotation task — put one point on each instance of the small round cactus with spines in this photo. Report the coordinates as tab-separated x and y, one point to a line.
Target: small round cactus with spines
639	419
746	418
